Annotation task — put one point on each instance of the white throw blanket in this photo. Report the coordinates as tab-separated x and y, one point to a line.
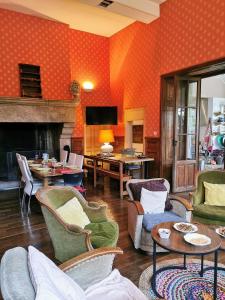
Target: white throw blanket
114	287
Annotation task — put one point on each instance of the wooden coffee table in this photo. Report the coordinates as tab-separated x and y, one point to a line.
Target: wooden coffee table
177	244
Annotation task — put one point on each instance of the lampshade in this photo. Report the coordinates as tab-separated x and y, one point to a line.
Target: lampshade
106	136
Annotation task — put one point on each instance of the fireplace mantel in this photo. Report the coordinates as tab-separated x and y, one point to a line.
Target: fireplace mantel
16	109
33	110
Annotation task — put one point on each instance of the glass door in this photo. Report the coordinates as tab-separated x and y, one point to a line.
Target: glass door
185	133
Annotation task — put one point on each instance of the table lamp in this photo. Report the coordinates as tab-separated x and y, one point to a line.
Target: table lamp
106	137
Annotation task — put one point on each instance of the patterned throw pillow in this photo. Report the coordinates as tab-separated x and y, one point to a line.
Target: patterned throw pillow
151	185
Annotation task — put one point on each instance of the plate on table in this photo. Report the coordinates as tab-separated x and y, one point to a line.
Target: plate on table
221	231
30	161
73	167
185	227
58	164
35	165
43	169
197	239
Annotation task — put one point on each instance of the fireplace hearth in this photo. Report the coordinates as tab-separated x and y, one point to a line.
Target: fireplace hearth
28	139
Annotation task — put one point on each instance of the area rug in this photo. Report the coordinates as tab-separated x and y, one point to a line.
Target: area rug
178	284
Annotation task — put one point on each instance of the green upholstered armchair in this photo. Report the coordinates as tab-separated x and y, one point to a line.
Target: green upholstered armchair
71	240
206	213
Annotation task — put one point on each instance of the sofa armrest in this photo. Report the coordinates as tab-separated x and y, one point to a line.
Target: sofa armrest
188	206
138	206
87	256
91	267
182	207
135	218
96	212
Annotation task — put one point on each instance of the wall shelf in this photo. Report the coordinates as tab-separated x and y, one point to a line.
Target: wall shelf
30	81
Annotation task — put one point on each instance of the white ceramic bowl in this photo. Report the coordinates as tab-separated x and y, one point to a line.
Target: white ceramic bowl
164	233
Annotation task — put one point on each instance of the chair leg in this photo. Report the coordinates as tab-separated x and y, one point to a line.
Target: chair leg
23	201
28	206
20	188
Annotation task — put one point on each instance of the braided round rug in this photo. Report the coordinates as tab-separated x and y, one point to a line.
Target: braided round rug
177	284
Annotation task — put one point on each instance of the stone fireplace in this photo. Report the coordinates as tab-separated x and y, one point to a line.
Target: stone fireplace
43	125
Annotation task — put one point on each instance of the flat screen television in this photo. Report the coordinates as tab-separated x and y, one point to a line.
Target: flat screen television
101	115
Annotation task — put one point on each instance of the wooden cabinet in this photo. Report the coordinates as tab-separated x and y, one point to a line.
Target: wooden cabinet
77	145
152	149
30	81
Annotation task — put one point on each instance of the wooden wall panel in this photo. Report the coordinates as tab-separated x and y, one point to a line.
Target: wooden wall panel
152	149
118	145
77	145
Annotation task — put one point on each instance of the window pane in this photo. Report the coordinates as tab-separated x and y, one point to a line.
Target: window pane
181	147
191	141
191	120
181	120
182	93
192	94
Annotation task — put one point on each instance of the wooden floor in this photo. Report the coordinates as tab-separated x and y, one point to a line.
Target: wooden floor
18	231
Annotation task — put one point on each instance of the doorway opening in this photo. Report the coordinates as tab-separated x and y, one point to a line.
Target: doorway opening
193	114
134	129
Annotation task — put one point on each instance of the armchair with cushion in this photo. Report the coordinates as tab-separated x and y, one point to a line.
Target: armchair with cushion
70	240
140	224
208	214
87	269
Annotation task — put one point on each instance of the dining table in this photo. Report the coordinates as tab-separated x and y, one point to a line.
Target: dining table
47	173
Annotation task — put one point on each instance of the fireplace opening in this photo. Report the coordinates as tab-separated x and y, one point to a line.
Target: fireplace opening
28	139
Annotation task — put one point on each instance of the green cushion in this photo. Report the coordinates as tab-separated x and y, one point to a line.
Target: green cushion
104	234
216	213
211	177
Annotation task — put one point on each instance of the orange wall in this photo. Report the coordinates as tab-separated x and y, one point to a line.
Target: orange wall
31	40
89	59
130	62
64	55
187	33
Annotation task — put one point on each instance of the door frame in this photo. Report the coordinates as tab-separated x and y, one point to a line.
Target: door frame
207	69
185	162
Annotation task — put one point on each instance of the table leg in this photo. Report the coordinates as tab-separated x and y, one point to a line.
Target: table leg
154	265
121	180
142	170
95	173
45	182
215	275
184	261
202	266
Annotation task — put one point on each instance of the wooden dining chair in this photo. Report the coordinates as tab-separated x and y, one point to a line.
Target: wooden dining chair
22	179
30	187
72	159
79	161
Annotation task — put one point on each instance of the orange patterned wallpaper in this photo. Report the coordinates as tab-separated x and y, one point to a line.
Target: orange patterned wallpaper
187	33
32	40
89	59
125	69
64	54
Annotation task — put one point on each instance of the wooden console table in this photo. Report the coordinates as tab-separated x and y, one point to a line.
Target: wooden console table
117	160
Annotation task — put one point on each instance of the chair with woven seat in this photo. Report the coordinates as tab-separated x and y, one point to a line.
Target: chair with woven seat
202	212
140	223
70	240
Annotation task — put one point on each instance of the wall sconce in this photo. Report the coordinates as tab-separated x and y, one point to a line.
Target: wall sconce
88	86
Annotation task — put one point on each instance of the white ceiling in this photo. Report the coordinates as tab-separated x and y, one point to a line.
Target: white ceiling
84	16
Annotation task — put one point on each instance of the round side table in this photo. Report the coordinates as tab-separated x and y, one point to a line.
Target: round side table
177	244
